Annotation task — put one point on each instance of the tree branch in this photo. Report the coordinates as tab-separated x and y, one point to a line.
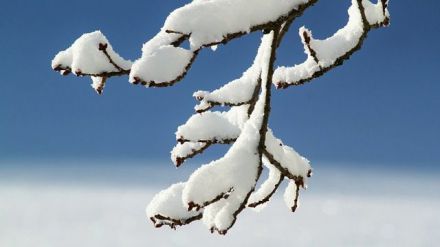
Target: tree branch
263	129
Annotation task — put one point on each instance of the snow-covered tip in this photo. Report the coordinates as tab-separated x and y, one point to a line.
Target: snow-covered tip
291	195
162	67
166	208
98	83
377	14
210	212
91	54
202	106
183	151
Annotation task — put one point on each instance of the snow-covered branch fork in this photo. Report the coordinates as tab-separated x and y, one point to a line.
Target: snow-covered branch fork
217	192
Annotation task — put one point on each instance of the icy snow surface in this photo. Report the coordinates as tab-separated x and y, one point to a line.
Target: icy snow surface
91	205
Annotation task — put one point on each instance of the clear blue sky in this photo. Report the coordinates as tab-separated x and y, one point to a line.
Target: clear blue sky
382	106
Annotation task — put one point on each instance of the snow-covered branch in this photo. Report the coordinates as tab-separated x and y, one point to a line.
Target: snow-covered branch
217	192
324	55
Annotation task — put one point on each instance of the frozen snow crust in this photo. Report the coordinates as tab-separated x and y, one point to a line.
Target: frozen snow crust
217	192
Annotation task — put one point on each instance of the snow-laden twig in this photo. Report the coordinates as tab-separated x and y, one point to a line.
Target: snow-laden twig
91	55
186	150
324	55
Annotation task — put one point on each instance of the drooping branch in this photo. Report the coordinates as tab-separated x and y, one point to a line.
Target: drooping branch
268	188
289	162
266	75
244	157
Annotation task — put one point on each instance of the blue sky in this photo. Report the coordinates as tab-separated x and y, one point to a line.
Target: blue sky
382	106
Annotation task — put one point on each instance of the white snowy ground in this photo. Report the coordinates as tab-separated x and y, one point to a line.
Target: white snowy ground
103	205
